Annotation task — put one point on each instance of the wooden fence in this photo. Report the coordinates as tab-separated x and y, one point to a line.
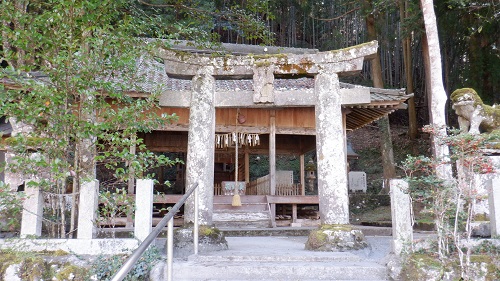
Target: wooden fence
261	186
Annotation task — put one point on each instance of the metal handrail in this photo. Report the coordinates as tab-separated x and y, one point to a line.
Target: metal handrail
129	263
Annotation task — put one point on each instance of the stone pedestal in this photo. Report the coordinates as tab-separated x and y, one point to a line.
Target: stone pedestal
210	239
143	209
87	211
336	238
402	229
31	224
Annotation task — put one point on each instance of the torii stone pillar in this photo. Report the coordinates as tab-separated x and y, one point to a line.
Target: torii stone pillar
336	233
332	178
201	147
200	166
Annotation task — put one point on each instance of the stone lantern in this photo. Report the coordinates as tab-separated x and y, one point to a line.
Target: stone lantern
310	176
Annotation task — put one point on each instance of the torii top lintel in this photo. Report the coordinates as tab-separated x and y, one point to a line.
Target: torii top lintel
180	63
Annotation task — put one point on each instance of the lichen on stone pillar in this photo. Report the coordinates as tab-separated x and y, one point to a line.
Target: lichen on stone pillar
331	157
201	146
335	234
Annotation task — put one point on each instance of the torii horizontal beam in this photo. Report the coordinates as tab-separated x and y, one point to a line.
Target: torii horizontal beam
291	98
182	64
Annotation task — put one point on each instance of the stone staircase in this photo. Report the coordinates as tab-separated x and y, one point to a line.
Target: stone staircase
276	258
253	213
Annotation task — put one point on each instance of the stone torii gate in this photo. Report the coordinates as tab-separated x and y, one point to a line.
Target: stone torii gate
262	64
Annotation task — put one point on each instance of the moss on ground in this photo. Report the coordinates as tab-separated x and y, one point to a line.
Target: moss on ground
212	232
71	272
33	266
317	239
336	227
426	266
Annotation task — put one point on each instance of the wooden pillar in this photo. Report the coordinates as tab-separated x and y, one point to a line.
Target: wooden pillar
331	158
302	175
344	128
294	213
272	162
2	161
201	146
247	166
131	180
272	152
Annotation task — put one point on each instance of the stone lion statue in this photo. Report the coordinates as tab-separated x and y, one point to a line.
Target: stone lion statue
473	115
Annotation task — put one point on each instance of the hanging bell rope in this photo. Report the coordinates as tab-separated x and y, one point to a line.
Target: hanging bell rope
235	139
236	197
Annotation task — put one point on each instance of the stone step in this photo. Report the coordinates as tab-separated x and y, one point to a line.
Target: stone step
243	207
298	231
245	199
282	258
319	257
277	231
240	216
241	219
255	224
291	270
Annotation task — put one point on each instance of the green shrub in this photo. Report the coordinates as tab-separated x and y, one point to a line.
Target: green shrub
103	267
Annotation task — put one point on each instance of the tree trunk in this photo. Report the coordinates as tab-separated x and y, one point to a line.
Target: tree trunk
387	153
407	59
437	94
384	126
21	6
75	195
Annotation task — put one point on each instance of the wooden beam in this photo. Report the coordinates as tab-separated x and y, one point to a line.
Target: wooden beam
294	199
177	142
249	130
302	174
